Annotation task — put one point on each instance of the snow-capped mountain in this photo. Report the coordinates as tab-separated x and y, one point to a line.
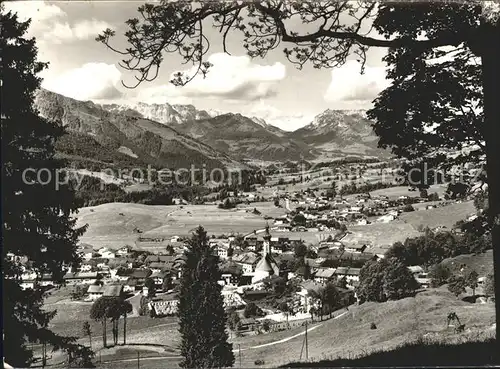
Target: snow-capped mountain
163	113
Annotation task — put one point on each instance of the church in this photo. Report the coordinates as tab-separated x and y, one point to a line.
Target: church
266	266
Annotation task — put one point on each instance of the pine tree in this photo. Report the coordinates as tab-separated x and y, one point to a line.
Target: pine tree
202	319
37	223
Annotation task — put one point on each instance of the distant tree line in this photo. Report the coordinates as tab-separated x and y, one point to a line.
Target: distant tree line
433	247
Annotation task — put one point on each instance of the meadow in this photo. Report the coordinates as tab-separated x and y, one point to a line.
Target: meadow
349	335
117	224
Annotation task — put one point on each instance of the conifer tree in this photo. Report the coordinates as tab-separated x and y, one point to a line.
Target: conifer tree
37	222
202	319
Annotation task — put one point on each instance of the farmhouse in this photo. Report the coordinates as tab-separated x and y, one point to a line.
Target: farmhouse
248	261
167	305
355	248
81	278
124	251
350	274
324	275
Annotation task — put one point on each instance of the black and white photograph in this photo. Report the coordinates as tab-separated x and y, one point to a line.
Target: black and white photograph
250	184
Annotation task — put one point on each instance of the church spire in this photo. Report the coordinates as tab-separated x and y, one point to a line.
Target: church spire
267	241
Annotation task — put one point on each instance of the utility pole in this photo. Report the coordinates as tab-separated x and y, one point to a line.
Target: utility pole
239	353
307	351
138	360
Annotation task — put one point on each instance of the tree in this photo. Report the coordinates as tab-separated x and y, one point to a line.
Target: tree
116	308
252	310
283	306
457	284
300	251
307	271
87	332
471	280
234	321
385	279
439	275
489	285
398	282
167	283
299	220
36	215
371	281
331	297
149	283
99	313
202	319
471	28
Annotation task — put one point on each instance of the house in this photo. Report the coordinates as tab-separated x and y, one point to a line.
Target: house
231	273
123	274
222	251
386	218
166	305
415	269
94	292
304	299
158	277
278	248
81	278
140	274
136	279
158	266
124	251
350	274
159	258
248	261
232	300
324	275
355	248
132	285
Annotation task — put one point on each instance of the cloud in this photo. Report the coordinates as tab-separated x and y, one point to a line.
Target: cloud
278	118
91	81
50	24
83	30
349	86
232	78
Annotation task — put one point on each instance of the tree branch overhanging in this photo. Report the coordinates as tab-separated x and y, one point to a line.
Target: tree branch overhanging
176	27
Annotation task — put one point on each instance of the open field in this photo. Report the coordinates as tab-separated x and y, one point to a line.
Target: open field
445	216
349	335
114	225
381	234
481	263
71	315
395	192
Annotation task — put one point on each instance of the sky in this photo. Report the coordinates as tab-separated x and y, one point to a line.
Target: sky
270	88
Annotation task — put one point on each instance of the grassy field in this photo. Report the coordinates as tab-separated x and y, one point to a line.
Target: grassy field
395	192
481	263
445	216
398	322
71	315
381	234
114	225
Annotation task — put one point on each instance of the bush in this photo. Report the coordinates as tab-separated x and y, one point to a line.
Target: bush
408	208
373	326
259	362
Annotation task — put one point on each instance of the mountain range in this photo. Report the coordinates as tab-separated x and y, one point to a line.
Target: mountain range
173	135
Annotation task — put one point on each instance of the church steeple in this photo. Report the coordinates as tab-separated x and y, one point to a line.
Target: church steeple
266	247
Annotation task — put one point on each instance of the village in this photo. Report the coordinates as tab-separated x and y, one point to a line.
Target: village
253	265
